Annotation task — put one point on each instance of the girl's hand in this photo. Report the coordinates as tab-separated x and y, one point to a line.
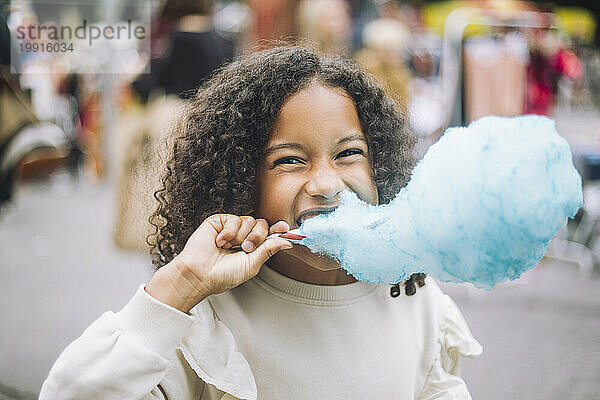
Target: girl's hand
211	261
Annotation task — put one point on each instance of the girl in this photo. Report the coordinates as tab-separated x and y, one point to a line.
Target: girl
271	140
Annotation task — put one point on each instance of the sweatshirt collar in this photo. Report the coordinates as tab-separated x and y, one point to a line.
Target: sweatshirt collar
309	293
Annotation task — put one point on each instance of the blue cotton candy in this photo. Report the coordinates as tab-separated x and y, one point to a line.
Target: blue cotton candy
481	207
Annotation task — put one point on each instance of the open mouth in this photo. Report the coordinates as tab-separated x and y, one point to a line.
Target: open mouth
313	212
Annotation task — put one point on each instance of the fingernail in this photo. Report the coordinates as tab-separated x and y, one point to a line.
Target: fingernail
221	242
247	246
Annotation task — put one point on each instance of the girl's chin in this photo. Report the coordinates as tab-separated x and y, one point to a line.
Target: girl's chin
300	264
302	255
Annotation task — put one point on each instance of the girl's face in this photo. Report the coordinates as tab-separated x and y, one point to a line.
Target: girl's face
317	151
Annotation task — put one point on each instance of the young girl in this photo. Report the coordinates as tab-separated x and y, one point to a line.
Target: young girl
272	140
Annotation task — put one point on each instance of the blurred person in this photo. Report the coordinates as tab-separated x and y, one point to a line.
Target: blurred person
29	148
328	23
385	42
549	61
169	14
139	155
272	19
270	141
195	49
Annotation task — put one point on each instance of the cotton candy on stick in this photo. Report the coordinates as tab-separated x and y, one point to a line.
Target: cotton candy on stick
481	207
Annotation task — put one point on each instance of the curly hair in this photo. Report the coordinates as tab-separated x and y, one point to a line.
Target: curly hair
220	140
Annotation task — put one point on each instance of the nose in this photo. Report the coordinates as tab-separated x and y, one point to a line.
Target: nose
324	182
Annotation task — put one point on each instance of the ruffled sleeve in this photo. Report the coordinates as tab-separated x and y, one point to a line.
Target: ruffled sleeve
455	340
211	351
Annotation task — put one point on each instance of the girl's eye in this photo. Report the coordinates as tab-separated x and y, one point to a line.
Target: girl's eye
349	152
287	161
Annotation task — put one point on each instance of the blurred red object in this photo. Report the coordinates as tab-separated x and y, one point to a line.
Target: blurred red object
543	74
568	63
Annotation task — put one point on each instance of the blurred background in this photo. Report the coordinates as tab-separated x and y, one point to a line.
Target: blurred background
80	144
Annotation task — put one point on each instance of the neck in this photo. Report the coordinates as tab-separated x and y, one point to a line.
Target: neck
302	265
195	23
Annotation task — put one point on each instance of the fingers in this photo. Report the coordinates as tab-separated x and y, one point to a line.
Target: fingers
256	236
247	224
229	227
244	231
279	227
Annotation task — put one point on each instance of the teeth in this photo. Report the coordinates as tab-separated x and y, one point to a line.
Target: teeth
311	214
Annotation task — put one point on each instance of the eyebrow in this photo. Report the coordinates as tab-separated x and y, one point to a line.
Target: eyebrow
298	146
351	138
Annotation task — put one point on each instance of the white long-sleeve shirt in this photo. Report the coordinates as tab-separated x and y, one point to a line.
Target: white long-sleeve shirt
271	338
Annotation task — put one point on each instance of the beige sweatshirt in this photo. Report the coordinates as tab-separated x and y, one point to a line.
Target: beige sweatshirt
273	338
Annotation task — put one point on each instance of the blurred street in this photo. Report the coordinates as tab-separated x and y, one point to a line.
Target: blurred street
60	271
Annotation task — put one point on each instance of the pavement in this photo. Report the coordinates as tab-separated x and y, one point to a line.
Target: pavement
61	270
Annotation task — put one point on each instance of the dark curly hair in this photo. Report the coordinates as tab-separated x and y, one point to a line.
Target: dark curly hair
220	140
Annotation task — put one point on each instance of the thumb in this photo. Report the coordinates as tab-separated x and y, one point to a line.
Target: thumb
267	249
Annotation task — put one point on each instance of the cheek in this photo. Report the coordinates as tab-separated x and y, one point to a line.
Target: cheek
360	181
275	200
370	194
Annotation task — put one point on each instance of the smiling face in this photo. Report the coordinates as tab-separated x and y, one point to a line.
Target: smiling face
317	150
